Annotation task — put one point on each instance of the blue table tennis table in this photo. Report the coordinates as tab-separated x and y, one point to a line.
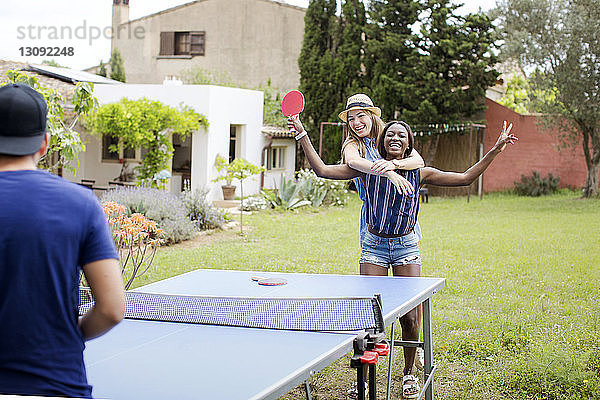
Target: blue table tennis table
141	359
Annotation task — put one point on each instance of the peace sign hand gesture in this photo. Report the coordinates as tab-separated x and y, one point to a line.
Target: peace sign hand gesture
505	138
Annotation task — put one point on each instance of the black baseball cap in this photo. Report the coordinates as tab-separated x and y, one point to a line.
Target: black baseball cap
22	119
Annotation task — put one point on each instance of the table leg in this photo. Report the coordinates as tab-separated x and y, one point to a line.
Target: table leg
360	382
427	347
372	382
391	357
307	388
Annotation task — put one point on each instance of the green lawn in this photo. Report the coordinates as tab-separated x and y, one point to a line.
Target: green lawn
519	317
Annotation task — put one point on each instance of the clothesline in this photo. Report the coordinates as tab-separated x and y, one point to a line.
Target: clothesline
441	129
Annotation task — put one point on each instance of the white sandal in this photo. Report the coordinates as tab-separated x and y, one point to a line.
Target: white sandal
419	358
353	392
410	390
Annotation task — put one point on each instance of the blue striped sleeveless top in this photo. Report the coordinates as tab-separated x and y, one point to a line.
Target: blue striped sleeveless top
387	210
372	155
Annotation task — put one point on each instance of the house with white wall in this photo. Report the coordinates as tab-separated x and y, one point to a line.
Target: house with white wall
235	130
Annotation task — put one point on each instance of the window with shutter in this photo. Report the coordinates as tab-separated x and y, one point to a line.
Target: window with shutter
197	43
167	43
182	43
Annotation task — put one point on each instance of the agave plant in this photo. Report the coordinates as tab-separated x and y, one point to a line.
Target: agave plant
312	190
287	197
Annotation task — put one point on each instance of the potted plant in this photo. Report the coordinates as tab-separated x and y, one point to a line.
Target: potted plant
227	175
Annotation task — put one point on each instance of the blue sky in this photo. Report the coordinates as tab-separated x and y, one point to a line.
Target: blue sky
22	22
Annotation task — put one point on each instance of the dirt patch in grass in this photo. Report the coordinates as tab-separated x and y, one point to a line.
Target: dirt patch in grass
230	231
450	379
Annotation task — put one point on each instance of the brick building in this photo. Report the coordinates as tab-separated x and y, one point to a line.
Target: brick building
537	150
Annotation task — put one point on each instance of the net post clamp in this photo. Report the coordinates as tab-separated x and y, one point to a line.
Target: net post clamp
368	346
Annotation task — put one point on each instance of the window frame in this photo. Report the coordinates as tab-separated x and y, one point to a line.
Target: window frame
108	140
277	154
182	44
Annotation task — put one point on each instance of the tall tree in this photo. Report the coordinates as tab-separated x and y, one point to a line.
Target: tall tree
316	64
349	61
390	43
331	65
561	40
348	70
117	69
102	69
454	67
451	70
437	75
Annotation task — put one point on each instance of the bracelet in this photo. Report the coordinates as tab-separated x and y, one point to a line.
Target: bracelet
300	135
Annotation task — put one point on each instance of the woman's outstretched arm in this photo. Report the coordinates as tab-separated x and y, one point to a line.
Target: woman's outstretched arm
338	171
434	176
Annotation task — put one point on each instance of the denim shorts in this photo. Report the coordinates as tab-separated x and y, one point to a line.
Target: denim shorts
387	252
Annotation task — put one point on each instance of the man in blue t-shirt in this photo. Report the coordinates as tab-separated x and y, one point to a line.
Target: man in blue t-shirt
50	230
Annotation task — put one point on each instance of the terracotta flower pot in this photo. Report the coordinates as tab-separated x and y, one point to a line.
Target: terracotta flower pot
228	192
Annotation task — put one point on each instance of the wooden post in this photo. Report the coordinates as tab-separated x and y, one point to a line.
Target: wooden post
321	137
470	150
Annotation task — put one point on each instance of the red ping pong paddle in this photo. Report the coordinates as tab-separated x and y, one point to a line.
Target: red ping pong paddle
261	280
292	103
272	282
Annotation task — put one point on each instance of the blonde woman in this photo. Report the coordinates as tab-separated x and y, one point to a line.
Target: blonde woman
359	153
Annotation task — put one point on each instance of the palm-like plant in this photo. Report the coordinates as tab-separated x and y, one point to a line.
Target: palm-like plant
287	197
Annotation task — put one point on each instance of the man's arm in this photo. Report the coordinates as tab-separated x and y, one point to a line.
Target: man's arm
106	283
434	176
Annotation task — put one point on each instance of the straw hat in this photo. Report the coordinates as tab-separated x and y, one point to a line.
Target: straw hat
359	102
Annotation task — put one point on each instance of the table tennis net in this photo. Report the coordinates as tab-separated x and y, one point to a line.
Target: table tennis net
305	314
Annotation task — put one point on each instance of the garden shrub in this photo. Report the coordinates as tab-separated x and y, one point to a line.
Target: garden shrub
308	189
535	185
254	203
166	209
136	238
287	197
200	210
322	191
